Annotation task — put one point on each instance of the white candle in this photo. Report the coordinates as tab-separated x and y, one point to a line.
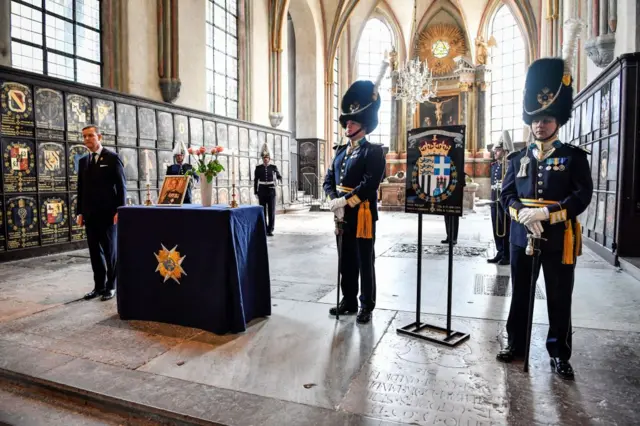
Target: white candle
146	157
233	167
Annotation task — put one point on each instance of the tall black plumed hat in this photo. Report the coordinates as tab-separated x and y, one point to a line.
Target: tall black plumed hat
361	104
548	89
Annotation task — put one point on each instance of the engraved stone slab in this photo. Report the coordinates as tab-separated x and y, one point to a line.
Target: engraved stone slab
221	134
75	152
54	219
52	167
270	145
278	147
127	122
262	139
245	172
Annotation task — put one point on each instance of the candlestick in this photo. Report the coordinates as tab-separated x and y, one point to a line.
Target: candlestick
234	203
233	167
147	201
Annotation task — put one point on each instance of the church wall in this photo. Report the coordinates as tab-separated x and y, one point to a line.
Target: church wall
259	66
142	50
192	57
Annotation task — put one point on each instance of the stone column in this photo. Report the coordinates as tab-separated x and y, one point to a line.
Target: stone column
277	17
602	18
5	33
168	67
481	156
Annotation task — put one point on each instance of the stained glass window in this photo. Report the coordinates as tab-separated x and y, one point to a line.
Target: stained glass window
60	38
508	70
377	39
222	57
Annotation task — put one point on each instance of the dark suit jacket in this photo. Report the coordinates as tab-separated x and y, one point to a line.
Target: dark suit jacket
101	187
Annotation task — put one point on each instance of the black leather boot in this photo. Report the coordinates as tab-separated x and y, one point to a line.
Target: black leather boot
364	316
344	309
562	368
508	354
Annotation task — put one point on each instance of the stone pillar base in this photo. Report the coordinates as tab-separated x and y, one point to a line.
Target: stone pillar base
469	198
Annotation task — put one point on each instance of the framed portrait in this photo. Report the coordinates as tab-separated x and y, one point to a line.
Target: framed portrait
173	190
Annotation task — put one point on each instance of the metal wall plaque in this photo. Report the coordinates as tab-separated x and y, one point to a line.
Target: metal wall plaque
278	147
147	124
104	113
19	165
54	219
262	139
152	167
221	135
22	222
196	131
78	233
209	133
16	107
78	116
126	119
165	130
75	152
129	157
52	167
181	129
253	142
3	246
49	113
270	144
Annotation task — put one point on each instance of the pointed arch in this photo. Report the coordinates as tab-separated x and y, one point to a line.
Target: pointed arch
524	16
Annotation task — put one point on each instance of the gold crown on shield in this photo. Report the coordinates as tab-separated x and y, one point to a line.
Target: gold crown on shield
434	148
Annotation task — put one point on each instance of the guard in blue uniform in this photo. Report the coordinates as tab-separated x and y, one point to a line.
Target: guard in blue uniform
500	220
264	187
352	183
547	185
179	168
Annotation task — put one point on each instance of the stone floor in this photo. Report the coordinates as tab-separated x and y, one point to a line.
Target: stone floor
300	366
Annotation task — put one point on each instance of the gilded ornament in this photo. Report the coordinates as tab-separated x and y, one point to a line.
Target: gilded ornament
439	44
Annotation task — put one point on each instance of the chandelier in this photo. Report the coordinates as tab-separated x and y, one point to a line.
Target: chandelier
413	84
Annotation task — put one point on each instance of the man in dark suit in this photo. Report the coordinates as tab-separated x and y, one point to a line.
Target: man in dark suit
264	186
101	190
180	168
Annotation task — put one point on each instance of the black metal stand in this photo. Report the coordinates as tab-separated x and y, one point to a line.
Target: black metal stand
451	338
532	297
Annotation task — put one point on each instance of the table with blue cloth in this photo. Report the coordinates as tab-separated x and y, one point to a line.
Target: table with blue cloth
202	267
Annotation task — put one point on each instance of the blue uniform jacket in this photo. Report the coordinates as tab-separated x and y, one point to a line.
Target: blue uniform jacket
496	175
562	183
356	176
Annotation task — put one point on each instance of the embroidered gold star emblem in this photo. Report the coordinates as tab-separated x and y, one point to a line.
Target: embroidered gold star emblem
170	264
545	97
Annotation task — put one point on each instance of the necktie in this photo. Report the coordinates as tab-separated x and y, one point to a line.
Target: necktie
93	157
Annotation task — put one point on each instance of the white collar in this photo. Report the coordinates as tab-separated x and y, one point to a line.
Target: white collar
98	152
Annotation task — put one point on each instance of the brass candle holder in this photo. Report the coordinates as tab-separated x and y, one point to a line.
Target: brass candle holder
233	203
147	201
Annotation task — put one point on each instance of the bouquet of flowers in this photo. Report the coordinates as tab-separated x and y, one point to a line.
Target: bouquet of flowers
211	168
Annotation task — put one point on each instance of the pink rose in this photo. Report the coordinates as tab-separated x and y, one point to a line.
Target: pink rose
190	150
202	150
214	150
219	149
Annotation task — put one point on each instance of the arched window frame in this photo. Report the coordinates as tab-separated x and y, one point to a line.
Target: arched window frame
509	62
58	41
382	133
222	57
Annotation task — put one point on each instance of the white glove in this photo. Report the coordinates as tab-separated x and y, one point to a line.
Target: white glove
339	213
337	203
526	216
536	229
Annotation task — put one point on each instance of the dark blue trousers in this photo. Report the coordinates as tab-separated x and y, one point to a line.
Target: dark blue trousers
498	219
101	238
358	261
559	289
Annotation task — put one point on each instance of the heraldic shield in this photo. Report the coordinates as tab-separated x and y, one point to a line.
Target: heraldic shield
435	166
